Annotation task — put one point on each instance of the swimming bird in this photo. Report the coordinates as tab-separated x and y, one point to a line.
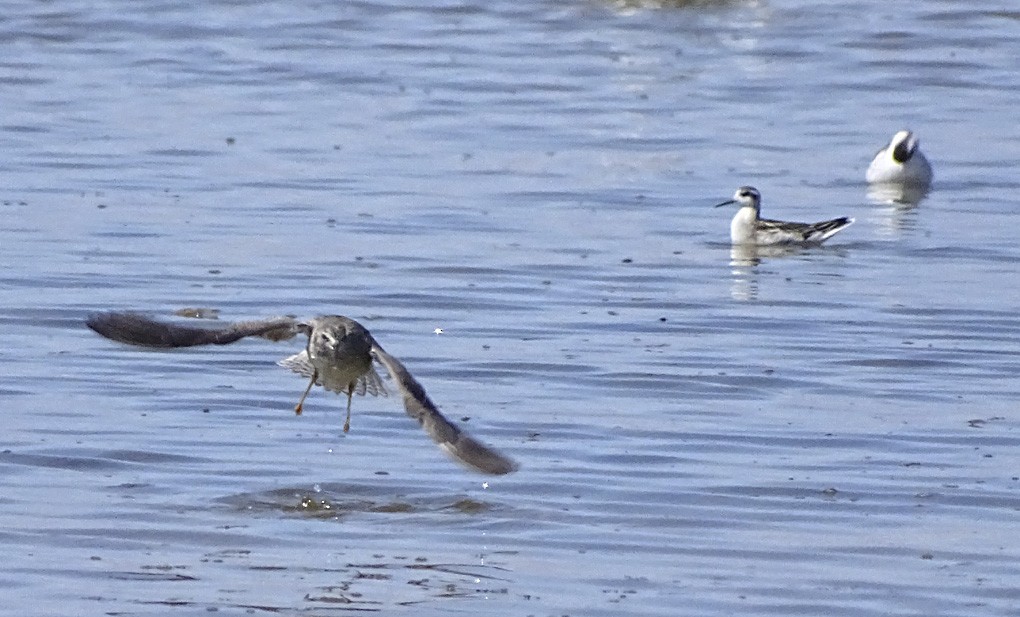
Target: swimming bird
747	226
900	162
338	356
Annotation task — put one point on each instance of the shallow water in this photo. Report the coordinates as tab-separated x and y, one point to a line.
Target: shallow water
832	431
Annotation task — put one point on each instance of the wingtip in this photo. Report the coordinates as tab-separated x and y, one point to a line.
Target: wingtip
480	458
505	467
90	320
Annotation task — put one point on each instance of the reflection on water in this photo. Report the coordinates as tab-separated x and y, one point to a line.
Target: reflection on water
752	254
900	202
745	259
625	6
907	196
334	501
747	263
743	274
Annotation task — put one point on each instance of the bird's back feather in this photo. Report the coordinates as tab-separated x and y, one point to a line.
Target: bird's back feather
783	232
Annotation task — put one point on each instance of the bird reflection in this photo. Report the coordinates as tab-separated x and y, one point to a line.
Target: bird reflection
900	201
743	272
897	194
745	260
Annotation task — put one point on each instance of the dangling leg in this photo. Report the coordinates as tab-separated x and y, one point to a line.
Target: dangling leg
297	409
347	422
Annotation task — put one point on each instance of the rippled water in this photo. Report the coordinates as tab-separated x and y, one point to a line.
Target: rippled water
831	431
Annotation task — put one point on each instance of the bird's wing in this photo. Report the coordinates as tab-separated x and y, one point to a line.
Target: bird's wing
821	231
453	440
137	329
779	232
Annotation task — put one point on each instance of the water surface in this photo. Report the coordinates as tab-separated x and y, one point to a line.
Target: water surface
831	431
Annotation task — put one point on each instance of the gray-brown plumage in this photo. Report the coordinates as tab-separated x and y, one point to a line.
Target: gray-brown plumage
338	356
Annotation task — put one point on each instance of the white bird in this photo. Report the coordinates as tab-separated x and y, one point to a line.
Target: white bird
748	228
900	162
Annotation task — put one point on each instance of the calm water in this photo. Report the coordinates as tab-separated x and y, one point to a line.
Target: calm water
831	432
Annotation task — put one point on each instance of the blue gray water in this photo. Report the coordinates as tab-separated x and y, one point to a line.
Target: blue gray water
829	432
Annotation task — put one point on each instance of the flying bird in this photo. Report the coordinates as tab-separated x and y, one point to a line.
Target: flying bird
339	356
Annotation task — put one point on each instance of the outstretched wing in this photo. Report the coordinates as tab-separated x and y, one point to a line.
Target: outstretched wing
453	440
137	329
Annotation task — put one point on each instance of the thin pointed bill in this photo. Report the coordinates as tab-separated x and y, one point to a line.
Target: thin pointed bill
725	203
